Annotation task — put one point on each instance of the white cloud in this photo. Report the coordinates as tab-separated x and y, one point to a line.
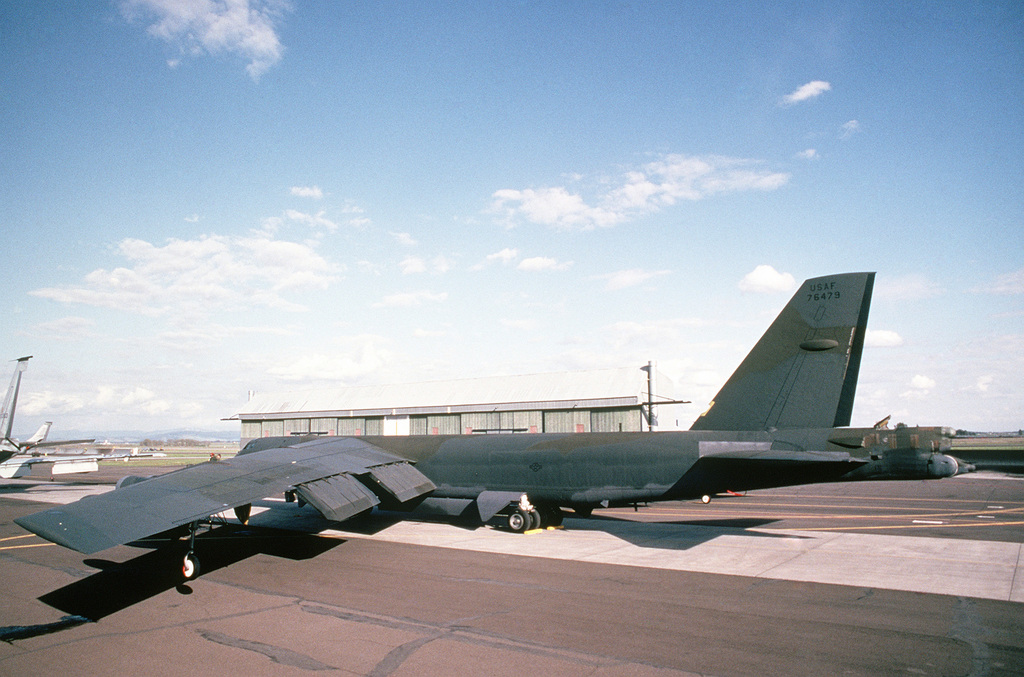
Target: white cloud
808	91
882	338
246	28
983	383
920	387
809	154
630	278
307	191
412	264
766	280
200	276
654	186
317	220
539	263
352	358
920	382
404	239
505	257
552	207
64	329
1009	283
849	129
411	299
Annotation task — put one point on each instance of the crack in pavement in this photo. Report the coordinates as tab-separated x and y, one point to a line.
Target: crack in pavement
277	654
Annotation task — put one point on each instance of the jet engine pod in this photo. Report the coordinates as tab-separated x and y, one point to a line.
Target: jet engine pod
941	465
129	480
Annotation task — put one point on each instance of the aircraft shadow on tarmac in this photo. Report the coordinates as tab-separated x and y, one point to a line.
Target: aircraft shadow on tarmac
118	586
678	534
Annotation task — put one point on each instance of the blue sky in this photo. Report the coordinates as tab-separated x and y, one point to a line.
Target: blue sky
206	198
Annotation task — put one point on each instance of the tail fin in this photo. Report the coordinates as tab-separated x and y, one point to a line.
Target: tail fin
803	371
40	435
11	401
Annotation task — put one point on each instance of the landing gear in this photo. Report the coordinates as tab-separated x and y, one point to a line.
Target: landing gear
524	516
519	521
190	565
705	499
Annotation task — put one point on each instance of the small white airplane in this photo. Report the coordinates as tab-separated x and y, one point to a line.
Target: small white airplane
17	458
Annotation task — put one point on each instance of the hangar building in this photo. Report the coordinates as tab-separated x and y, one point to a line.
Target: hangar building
605	400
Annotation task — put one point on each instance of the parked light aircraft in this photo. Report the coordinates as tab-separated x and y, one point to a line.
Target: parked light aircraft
17	459
781	419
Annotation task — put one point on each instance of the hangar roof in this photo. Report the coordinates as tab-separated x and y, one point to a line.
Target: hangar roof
622	387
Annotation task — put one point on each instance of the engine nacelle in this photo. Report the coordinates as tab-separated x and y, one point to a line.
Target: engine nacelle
941	465
129	480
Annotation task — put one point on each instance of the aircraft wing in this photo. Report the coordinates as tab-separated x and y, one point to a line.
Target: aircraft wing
340	477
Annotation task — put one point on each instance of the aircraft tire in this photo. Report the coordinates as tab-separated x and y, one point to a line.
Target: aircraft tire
190	566
583	511
705	499
536	520
519	521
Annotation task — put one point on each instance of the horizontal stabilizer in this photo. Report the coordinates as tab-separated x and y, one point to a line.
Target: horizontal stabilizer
339	497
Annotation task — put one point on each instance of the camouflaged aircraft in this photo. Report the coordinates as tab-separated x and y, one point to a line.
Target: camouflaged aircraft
781	419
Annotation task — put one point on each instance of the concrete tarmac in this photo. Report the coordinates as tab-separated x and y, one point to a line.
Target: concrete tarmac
919	578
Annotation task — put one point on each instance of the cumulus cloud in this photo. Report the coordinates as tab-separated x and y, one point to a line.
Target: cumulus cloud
245	28
539	263
505	257
882	338
552	207
920	387
809	154
307	191
654	186
200	276
849	129
404	239
805	92
630	278
766	280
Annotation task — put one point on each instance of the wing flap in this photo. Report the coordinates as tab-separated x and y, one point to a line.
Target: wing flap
339	497
402	481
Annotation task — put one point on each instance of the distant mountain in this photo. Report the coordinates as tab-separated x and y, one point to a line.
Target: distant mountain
136	436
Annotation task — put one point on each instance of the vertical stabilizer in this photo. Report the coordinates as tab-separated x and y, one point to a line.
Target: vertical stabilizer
11	400
803	371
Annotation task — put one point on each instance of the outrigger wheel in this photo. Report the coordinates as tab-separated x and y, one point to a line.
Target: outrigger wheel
190	566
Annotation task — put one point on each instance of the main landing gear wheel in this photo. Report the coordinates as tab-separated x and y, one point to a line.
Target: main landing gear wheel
520	521
705	499
190	566
536	522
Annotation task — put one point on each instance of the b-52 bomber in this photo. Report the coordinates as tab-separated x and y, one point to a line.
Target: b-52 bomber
781	419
